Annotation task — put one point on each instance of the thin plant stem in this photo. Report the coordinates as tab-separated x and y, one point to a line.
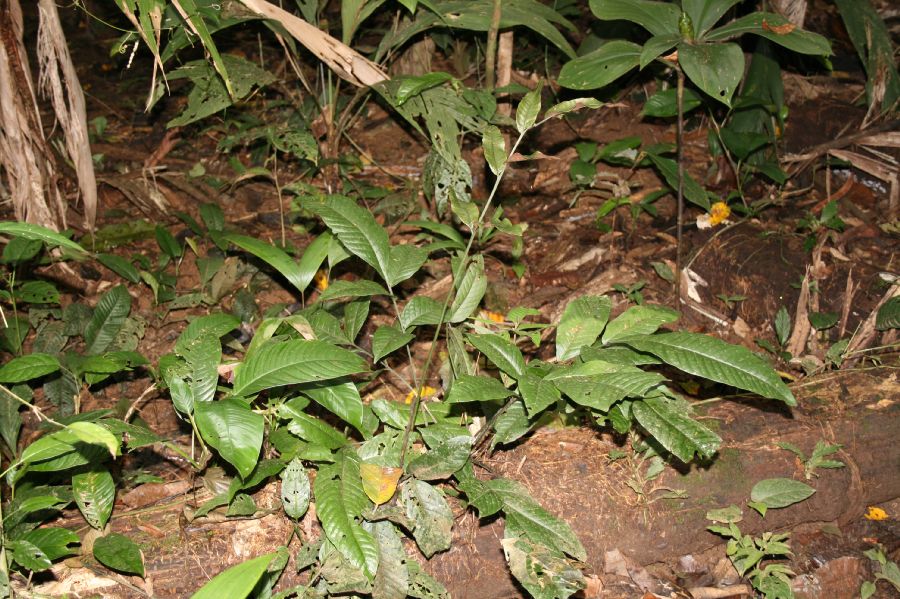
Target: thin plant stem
679	133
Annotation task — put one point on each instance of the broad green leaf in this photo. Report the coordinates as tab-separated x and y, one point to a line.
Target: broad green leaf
238	581
780	492
543	572
50	446
95	493
279	363
706	13
216	325
314	430
655	47
711	358
120	266
536	523
537	392
580	325
53	541
295	489
39	233
500	351
29	555
601	67
405	261
442	461
481	496
167	243
28	367
511	425
357	230
716	69
274	257
775	28
656	17
528	109
107	320
477	388
340	500
494	149
426	505
342	399
21	509
19	249
348	289
202	355
232	428
10	419
664	104
387	339
667	423
618	354
413	86
118	552
392	578
638	320
888	316
469	291
599	385
421	310
37	292
95	434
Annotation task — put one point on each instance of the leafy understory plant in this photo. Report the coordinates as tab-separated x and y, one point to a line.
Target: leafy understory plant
817	459
384	467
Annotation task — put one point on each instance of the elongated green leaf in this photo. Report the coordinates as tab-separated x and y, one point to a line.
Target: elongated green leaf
296	361
29	555
494	149
469	291
39	233
599	385
120	266
669	170
717	69
500	351
527	515
95	493
233	429
537	392
716	360
638	320
120	553
443	460
357	230
95	434
342	399
216	325
888	315
109	316
477	388
706	14
238	581
601	67
387	339
295	489
655	47
581	323
340	500
775	28
678	433
347	289
202	355
567	106
25	368
405	261
511	425
780	492
426	505
656	17
413	86
528	109
274	257
421	310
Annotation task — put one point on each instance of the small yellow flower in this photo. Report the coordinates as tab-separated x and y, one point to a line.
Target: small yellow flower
492	316
425	393
718	212
321	280
876	513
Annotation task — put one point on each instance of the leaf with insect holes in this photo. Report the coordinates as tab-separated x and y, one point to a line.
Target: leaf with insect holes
426	505
295	489
94	492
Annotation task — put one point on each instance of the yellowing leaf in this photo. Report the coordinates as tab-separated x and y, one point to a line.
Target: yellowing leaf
425	393
876	513
321	280
492	316
379	482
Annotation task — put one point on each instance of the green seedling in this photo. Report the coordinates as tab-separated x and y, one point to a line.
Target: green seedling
818	458
730	301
